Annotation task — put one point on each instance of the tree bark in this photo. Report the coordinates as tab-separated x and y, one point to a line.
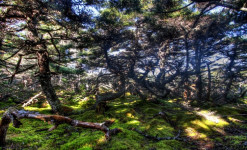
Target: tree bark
186	93
45	81
110	95
16	115
4	125
209	83
198	73
230	74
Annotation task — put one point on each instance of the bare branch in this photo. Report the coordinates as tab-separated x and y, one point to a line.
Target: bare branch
16	69
53	43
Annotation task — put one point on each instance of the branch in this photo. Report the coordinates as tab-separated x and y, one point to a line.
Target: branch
171	11
16	69
9	5
14	53
53	43
202	13
30	67
15	115
202	1
31	100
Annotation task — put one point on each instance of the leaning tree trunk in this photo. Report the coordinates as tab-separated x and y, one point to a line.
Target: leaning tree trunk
102	98
45	81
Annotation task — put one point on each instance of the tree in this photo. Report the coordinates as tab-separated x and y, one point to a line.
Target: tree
35	27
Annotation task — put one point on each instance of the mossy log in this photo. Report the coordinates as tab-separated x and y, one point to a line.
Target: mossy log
14	115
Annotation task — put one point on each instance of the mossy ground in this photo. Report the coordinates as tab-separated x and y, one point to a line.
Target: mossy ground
214	128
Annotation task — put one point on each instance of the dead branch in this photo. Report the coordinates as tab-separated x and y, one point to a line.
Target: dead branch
53	43
14	115
16	69
31	100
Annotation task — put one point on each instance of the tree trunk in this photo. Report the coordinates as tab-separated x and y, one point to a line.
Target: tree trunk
110	95
198	74
4	125
209	83
45	81
186	93
230	75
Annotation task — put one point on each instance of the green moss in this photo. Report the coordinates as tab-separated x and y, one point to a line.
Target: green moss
167	145
218	139
45	110
4	105
151	111
236	140
129	112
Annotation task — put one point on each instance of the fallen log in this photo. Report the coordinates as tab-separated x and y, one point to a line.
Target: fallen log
14	115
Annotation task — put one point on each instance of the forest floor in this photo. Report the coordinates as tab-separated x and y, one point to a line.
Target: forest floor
200	128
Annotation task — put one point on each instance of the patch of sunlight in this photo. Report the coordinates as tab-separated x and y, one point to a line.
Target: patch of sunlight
201	124
147	127
229	118
133	122
245	100
85	99
221	131
29	108
172	100
101	140
204	111
75	107
130	115
212	118
61	92
86	147
160	128
2	111
194	134
219	123
130	103
116	104
127	94
121	110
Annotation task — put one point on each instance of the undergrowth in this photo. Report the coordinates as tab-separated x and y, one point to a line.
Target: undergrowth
199	129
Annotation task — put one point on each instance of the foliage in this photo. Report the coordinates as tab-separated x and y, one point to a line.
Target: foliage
147	57
128	113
